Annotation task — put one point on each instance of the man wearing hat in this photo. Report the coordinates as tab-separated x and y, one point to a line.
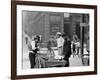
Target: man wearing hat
60	42
33	50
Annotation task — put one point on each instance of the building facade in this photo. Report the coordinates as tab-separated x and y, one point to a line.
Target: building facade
49	23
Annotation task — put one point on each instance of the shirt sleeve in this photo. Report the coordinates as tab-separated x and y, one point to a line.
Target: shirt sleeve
33	45
60	42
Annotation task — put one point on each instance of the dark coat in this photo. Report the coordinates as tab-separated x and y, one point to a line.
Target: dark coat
67	48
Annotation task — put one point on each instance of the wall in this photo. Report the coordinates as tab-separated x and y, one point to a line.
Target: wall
5	41
42	23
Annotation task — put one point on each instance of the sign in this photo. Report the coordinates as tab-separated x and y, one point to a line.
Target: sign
84	24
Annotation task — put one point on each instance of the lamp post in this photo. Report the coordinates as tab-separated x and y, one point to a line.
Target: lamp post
83	24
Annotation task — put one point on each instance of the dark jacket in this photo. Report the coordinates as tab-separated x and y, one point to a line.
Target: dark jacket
67	48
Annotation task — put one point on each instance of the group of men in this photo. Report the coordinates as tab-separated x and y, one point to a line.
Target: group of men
63	46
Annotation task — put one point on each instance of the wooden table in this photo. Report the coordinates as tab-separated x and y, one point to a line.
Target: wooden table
52	62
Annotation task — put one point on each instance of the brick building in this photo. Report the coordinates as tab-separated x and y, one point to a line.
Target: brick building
49	23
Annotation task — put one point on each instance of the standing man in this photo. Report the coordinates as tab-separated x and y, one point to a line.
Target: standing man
60	42
33	49
67	50
75	45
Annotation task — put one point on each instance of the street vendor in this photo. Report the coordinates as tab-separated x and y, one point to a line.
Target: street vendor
60	43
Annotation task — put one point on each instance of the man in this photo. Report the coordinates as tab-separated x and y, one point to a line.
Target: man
75	44
33	49
60	42
67	50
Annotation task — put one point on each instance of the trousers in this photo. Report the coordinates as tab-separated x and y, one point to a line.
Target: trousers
32	59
